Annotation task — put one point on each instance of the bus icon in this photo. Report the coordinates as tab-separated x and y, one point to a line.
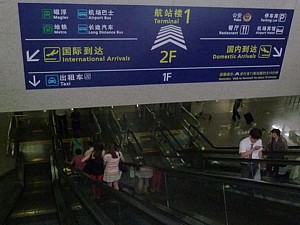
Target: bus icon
82	14
83	28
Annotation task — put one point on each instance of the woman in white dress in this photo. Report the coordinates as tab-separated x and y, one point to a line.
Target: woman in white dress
112	173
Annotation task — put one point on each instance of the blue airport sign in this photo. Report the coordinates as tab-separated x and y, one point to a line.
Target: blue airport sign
87	45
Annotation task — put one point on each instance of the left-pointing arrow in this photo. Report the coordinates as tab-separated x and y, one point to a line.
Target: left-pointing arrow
30	58
34	82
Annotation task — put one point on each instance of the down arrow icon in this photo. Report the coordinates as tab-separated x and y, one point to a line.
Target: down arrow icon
34	82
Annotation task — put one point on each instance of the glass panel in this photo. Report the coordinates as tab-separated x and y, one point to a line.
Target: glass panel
261	205
118	210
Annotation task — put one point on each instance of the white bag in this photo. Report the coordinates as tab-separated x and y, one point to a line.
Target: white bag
282	170
295	174
257	175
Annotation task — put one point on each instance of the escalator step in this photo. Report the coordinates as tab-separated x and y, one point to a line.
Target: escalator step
31	218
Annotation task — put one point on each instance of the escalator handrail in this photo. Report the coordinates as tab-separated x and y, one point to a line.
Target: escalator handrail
151	113
111	112
115	137
120	135
96	122
19	184
56	139
62	210
237	159
198	155
208	141
176	154
97	214
140	157
11	137
230	147
235	151
135	139
173	137
100	218
152	210
191	115
187	172
8	150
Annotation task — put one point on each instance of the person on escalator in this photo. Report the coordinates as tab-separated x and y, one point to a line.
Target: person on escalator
144	174
94	167
251	148
89	151
75	117
77	160
277	146
235	110
112	173
156	180
62	122
76	143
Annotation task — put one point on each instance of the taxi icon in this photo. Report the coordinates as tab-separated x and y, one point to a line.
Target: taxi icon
52	80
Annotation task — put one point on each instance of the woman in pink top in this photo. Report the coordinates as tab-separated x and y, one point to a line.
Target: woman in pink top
112	174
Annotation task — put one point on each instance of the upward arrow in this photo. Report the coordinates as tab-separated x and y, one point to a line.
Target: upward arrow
30	58
168	41
169	34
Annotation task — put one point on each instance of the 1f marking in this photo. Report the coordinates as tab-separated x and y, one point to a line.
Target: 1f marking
167	76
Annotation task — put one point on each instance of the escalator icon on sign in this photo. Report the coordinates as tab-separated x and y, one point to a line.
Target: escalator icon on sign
52	54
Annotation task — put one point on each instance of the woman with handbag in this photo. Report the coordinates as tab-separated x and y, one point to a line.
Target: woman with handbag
112	173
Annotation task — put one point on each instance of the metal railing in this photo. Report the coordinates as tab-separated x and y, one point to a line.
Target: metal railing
118	133
190	118
98	133
11	138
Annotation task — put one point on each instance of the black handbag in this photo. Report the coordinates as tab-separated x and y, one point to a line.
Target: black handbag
122	165
88	165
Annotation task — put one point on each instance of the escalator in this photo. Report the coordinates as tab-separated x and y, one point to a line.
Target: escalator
37	203
187	197
37	195
183	197
144	143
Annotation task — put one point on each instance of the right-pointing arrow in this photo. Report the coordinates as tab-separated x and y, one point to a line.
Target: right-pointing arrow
30	58
278	52
34	83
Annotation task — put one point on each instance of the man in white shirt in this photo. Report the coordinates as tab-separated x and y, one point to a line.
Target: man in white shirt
251	148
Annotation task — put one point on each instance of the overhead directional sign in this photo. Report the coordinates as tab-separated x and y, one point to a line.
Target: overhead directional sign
87	45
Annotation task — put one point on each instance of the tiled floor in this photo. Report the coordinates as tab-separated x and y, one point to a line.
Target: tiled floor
280	112
277	112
